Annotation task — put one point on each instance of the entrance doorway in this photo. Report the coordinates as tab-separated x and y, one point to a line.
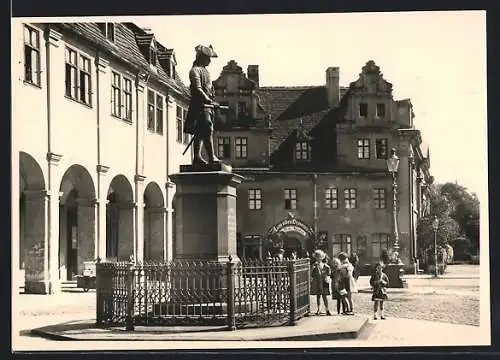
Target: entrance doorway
69	211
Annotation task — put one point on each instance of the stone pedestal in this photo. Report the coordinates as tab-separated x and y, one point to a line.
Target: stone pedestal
206	212
395	274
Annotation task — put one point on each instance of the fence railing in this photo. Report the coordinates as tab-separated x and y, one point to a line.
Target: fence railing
181	292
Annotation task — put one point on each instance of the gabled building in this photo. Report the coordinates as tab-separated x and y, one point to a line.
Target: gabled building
315	160
97	122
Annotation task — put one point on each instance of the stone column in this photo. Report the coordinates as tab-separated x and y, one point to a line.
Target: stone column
101	203
85	231
168	251
139	218
206	212
53	223
103	77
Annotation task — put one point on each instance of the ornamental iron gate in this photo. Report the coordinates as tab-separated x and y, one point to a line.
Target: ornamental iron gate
249	293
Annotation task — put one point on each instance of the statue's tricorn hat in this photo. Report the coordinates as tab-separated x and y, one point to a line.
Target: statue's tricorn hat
206	50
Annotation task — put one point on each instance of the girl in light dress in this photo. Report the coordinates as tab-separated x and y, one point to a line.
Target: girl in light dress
320	284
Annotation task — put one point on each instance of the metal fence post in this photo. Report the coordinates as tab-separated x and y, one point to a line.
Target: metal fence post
129	320
231	320
293	292
98	292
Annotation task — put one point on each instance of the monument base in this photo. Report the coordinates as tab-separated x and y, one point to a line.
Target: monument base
395	274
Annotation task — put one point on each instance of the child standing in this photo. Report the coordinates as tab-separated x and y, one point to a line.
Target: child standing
320	285
379	282
337	285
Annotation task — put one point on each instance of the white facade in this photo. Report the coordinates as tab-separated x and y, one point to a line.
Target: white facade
89	178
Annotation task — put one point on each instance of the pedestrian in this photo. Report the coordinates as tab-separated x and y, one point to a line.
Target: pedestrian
336	286
320	284
346	282
354	260
379	282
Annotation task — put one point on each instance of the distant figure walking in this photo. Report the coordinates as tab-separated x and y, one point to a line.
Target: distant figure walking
379	282
320	284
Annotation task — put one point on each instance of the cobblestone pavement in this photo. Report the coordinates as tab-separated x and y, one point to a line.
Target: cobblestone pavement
444	302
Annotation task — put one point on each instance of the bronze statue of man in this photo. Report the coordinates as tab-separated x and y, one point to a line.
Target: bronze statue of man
200	117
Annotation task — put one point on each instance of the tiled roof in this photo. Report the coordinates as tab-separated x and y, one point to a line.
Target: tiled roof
125	47
289	106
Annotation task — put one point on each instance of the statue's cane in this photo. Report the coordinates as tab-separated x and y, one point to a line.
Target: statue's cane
220	107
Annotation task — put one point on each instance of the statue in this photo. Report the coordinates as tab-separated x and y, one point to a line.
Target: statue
200	117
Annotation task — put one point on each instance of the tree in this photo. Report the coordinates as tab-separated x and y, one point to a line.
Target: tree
448	230
465	210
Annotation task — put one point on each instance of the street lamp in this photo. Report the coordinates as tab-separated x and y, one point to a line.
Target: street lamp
435	226
392	166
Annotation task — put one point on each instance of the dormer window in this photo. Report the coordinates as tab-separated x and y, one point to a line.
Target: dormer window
302	151
108	29
152	56
110	32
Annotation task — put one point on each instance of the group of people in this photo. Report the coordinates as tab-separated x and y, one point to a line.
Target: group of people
338	279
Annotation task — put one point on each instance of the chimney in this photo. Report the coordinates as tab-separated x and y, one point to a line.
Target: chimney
332	86
253	74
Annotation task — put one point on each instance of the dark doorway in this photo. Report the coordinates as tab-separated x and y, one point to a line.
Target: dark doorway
71	236
112	217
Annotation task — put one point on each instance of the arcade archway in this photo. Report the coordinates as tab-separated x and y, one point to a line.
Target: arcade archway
76	221
120	220
32	224
154	222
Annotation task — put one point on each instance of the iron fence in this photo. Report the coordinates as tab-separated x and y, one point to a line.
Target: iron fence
182	292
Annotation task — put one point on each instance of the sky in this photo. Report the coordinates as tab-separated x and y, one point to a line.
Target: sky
437	59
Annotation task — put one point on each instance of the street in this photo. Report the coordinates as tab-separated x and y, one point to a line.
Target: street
429	308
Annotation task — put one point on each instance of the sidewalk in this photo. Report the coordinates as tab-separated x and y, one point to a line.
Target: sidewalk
388	333
308	328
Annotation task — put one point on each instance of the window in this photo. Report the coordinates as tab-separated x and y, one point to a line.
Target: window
121	97
363	148
379	198
186	135
78	86
290	199
361	246
179	120
116	96
159	114
350	198
380	242
302	150
331	200
242	108
155	112
341	243
363	109
108	29
31	56
241	144
254	199
224	147
381	148
152	56
380	110
127	94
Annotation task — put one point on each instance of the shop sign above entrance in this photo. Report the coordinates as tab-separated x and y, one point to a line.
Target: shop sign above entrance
292	224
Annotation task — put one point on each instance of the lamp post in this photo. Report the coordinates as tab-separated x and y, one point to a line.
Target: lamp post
435	226
392	166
